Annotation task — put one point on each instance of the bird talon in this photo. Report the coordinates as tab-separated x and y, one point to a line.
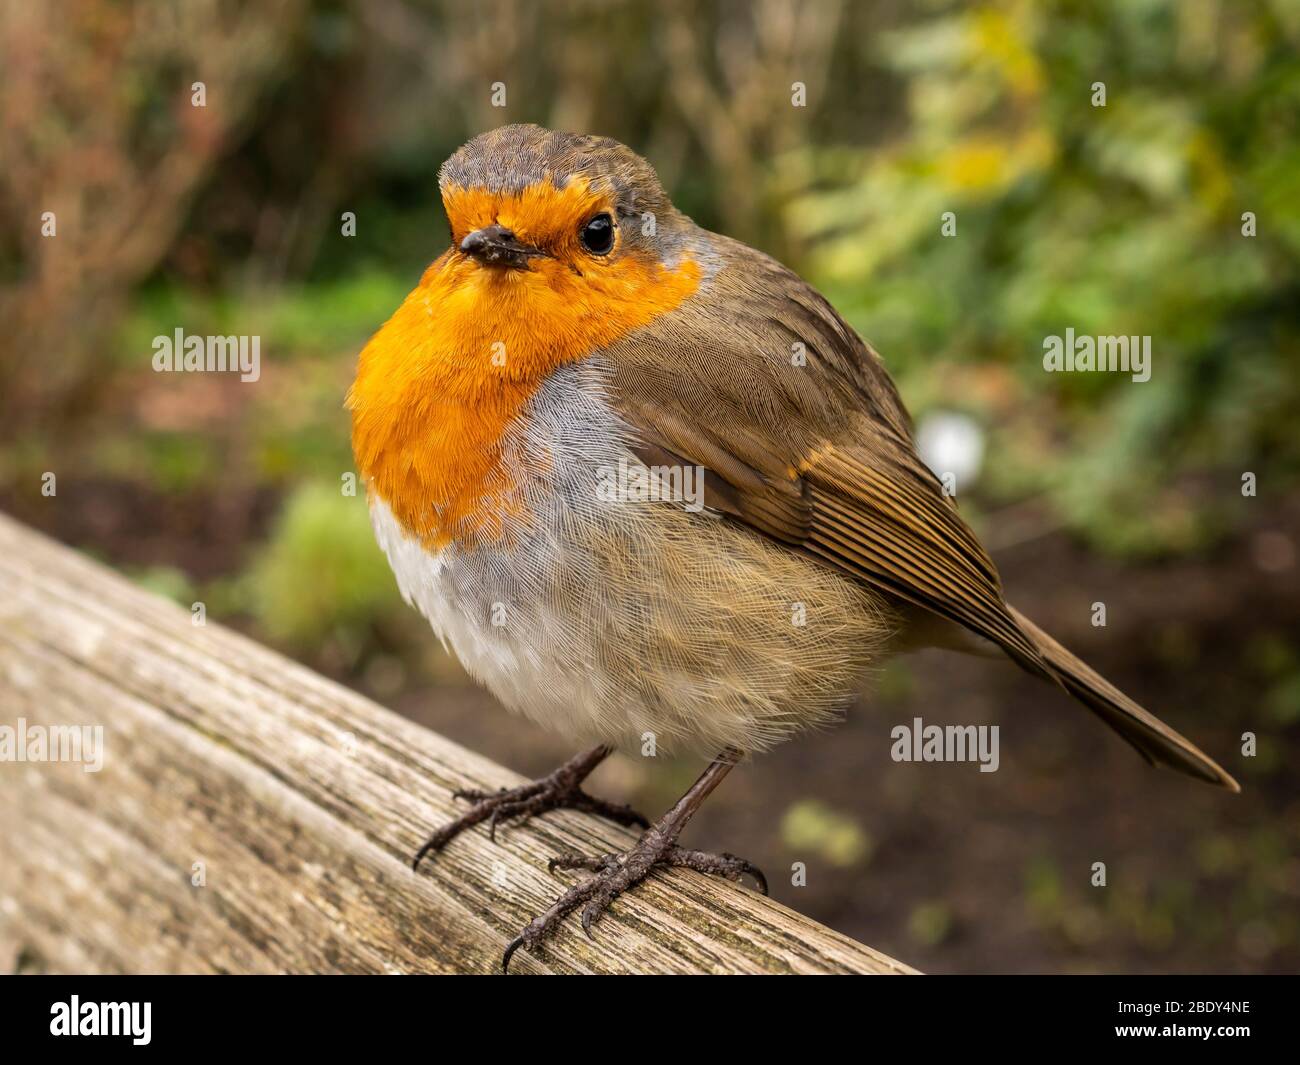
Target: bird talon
558	790
511	947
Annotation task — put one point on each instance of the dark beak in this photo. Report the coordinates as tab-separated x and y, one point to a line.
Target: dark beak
497	246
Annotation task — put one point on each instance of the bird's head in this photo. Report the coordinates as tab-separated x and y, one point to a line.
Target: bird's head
561	246
523	198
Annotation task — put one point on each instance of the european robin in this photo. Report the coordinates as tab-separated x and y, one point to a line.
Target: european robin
648	484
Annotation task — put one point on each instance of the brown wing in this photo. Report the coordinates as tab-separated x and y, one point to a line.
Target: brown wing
803	437
810	444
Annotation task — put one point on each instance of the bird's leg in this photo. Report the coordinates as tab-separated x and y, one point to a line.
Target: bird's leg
616	873
559	790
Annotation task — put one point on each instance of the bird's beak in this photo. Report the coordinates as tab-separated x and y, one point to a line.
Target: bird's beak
496	246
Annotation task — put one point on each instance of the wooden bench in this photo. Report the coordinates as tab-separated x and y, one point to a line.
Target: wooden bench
252	817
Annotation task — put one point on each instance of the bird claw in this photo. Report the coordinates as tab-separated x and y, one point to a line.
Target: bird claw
616	873
560	790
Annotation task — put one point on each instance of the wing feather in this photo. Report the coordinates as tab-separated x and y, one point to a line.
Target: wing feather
819	455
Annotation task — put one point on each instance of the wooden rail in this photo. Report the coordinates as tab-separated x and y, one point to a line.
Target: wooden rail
251	817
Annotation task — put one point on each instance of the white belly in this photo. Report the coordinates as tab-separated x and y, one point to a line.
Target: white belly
611	620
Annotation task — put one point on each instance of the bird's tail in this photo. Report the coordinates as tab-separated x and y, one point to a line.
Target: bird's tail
1154	740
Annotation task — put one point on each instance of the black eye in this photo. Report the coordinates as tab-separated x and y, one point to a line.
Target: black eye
598	235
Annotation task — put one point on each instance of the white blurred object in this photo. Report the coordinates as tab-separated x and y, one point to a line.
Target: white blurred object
951	443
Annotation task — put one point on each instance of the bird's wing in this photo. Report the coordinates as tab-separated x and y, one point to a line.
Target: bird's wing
803	437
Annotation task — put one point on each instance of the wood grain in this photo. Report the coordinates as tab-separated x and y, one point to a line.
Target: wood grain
303	801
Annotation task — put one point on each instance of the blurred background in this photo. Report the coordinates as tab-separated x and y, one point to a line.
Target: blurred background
1120	219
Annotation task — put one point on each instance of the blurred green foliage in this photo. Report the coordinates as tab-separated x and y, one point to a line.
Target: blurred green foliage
294	320
321	573
1122	219
812	827
930	923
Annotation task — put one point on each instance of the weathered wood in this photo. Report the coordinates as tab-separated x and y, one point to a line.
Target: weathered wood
304	802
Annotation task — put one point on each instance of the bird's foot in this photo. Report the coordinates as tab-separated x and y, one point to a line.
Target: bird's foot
616	873
559	790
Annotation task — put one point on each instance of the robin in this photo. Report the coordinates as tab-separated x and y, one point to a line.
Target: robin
652	489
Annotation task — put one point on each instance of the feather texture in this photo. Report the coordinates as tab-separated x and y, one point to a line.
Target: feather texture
805	439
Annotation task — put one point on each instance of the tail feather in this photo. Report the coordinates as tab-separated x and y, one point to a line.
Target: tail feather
1154	740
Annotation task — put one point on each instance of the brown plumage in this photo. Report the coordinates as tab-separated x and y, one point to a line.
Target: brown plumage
820	456
579	323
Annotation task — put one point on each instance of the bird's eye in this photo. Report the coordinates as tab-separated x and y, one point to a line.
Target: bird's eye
598	235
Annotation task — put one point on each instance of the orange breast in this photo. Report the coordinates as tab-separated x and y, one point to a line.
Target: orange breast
439	384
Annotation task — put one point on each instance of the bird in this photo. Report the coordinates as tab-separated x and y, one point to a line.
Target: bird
650	487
